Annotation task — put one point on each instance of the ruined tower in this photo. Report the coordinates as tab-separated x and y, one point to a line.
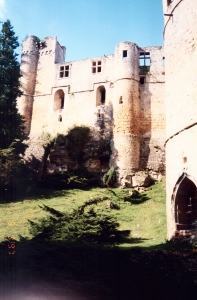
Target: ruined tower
180	38
126	111
28	69
38	61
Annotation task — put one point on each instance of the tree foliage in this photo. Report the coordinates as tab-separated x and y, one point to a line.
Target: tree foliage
12	124
12	127
81	225
77	138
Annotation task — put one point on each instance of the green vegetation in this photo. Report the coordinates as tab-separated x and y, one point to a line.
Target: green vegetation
109	178
12	125
77	138
10	120
143	216
95	244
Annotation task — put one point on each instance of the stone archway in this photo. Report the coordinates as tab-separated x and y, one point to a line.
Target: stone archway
58	100
100	95
185	206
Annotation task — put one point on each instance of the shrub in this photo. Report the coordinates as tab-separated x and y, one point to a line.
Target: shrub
82	225
80	178
109	178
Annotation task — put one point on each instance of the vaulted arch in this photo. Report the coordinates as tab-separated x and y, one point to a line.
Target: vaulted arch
100	95
58	100
185	204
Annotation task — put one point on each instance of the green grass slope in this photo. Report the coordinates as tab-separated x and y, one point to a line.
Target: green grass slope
144	216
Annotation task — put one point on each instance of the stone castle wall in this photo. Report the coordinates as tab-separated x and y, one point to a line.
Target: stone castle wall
180	37
105	93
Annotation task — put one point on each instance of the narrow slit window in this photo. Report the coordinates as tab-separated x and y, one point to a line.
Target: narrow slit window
124	54
142	79
120	100
169	1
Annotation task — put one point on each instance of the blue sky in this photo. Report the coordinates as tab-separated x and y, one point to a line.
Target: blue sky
87	28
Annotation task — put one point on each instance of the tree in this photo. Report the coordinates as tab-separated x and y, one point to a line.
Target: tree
12	124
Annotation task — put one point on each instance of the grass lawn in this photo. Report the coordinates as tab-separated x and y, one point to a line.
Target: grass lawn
144	216
139	267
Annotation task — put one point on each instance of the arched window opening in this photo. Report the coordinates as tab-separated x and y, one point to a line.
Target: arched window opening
58	100
100	95
186	205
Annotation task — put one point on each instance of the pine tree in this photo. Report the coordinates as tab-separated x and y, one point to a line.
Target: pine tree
11	122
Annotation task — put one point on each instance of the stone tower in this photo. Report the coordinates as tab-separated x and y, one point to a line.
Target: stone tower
38	61
29	62
126	110
180	38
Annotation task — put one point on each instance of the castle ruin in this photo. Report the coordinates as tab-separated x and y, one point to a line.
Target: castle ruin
139	99
120	95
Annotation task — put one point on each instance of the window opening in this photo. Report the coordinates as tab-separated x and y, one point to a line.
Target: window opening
142	79
120	100
169	1
64	71
184	159
124	54
58	100
96	66
60	118
100	95
163	61
144	62
144	58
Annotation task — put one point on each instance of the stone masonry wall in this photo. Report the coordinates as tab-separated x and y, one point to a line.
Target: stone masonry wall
152	105
103	93
180	37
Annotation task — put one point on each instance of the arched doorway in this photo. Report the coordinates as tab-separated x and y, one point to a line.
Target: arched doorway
58	100
100	95
186	204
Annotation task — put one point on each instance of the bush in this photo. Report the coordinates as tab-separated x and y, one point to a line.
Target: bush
109	178
80	178
82	225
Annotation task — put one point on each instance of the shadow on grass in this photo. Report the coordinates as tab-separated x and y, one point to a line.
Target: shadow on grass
87	271
22	192
141	198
